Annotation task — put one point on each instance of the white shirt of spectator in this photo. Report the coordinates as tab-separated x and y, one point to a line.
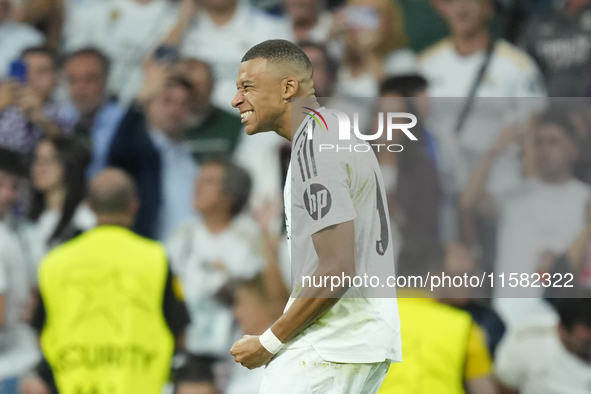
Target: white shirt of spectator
205	262
14	38
511	76
533	360
510	73
18	344
126	31
224	46
535	218
356	330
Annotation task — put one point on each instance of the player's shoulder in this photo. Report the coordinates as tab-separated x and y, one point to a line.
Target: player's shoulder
436	50
514	57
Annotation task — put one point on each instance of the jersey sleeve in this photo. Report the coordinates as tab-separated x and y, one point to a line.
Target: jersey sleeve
478	359
322	179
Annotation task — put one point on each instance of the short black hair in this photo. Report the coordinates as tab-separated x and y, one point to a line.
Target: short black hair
573	311
41	50
404	85
279	51
97	53
419	255
11	162
236	183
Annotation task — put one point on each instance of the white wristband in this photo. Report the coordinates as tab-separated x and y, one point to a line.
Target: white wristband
270	342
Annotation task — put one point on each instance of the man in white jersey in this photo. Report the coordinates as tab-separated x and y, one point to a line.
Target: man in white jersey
326	341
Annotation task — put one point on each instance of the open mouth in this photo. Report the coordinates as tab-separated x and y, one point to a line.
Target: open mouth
245	115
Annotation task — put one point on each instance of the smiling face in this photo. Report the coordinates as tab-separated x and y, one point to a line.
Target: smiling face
260	96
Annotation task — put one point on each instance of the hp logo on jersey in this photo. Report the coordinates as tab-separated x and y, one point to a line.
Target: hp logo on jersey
317	201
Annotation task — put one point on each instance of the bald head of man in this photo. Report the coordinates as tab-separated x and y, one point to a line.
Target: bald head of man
270	75
113	198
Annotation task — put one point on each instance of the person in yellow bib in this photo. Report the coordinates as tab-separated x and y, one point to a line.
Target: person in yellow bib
111	310
444	350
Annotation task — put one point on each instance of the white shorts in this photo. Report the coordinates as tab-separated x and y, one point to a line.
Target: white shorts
302	371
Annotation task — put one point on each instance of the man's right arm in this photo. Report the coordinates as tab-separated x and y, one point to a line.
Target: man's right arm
336	257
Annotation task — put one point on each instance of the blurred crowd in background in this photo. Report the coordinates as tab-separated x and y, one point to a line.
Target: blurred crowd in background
500	177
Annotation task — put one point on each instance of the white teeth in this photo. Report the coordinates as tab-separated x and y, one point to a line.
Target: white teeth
246	114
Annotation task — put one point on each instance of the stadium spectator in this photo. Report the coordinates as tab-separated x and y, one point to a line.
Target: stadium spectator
149	146
253	311
410	176
559	40
459	261
15	37
207	254
108	291
453	64
19	350
213	132
452	359
27	109
325	67
549	357
310	20
375	47
127	31
234	26
95	116
539	219
471	64
56	211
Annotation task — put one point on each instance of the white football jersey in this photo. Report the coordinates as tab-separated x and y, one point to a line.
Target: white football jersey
325	188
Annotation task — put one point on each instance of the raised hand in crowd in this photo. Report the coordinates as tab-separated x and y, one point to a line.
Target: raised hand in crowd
188	9
156	75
